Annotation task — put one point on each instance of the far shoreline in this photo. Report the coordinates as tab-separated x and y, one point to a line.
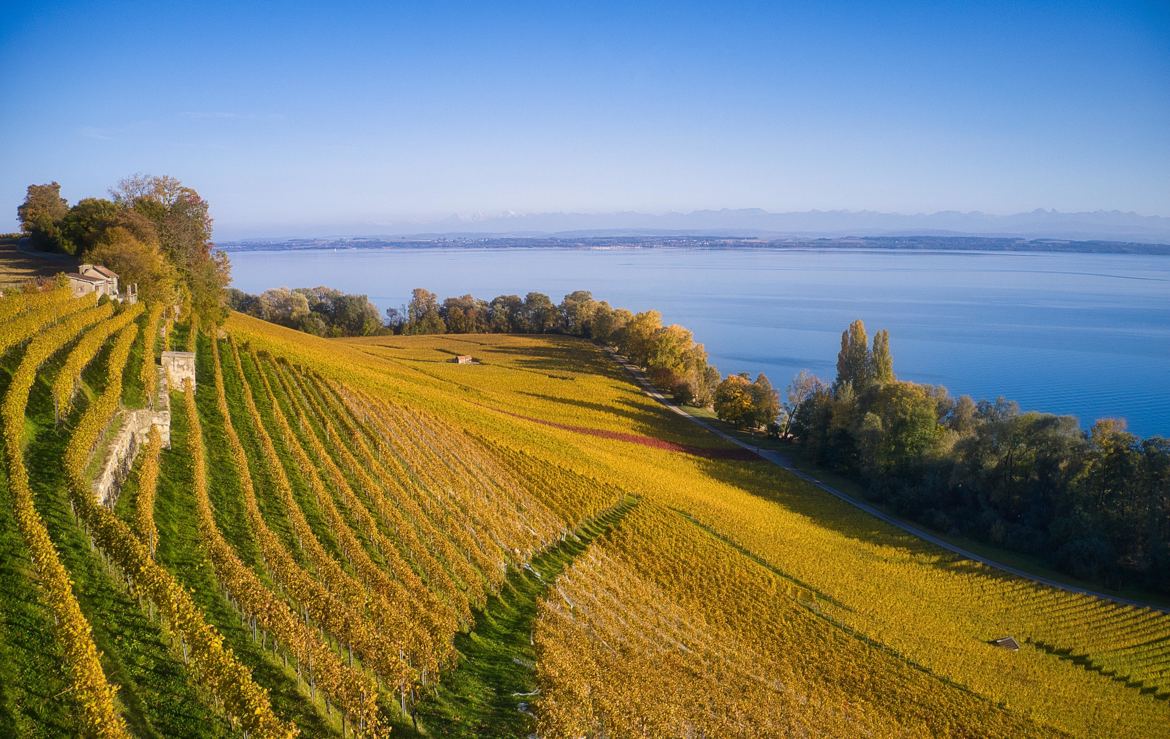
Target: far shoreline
876	244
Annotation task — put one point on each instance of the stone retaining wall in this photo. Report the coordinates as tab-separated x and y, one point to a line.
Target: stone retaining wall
133	434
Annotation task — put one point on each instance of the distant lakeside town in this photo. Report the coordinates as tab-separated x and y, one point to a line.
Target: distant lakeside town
695	241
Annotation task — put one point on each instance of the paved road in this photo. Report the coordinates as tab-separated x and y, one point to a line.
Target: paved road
780	460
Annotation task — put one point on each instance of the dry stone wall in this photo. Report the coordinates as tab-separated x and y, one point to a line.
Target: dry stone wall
132	436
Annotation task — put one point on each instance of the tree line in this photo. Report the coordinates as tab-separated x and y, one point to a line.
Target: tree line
321	311
672	359
154	232
1094	504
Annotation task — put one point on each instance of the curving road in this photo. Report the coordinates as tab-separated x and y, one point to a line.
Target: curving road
780	460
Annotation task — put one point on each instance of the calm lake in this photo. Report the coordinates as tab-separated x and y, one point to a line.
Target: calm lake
1082	334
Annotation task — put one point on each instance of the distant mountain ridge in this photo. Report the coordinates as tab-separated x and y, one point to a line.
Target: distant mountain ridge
759	223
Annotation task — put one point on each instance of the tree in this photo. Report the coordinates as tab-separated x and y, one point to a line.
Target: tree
609	323
699	380
243	302
853	361
284	306
465	315
505	314
705	395
666	355
182	220
765	402
207	277
422	313
41	215
396	319
637	336
137	263
733	401
577	309
882	362
86	222
540	315
354	315
962	416
907	424
802	387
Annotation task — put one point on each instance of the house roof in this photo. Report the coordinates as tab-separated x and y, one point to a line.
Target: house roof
87	278
103	271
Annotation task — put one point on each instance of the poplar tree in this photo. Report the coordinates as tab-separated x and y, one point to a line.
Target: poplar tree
853	361
881	360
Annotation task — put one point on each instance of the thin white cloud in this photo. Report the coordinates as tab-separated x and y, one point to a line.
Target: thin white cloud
109	133
93	132
227	115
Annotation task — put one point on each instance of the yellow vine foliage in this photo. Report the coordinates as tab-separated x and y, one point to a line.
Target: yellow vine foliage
93	693
28	324
35	301
149	370
67	380
1087	666
147	490
211	662
352	690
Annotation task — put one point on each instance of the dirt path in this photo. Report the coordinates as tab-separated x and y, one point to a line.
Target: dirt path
782	461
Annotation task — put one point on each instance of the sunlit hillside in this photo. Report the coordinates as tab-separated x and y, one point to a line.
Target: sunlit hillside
361	536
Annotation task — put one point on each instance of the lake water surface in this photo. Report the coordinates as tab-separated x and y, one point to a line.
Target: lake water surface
1083	334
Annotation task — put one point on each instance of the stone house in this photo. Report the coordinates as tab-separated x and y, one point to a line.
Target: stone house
94	278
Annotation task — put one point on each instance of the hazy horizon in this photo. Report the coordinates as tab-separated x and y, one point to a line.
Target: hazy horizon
743	223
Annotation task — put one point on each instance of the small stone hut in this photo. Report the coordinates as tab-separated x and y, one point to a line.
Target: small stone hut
180	366
463	359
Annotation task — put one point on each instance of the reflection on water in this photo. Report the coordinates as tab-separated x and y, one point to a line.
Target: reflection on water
1086	334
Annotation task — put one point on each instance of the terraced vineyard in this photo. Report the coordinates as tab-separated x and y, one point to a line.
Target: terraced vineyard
361	537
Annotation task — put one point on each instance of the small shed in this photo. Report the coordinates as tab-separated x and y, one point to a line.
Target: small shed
463	359
1006	642
179	366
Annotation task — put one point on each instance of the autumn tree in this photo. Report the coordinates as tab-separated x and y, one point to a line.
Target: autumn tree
666	355
422	313
283	306
137	262
733	401
182	221
638	335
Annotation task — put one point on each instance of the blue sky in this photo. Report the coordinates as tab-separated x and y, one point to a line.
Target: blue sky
294	119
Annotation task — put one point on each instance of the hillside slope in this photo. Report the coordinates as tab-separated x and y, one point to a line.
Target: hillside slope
359	536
